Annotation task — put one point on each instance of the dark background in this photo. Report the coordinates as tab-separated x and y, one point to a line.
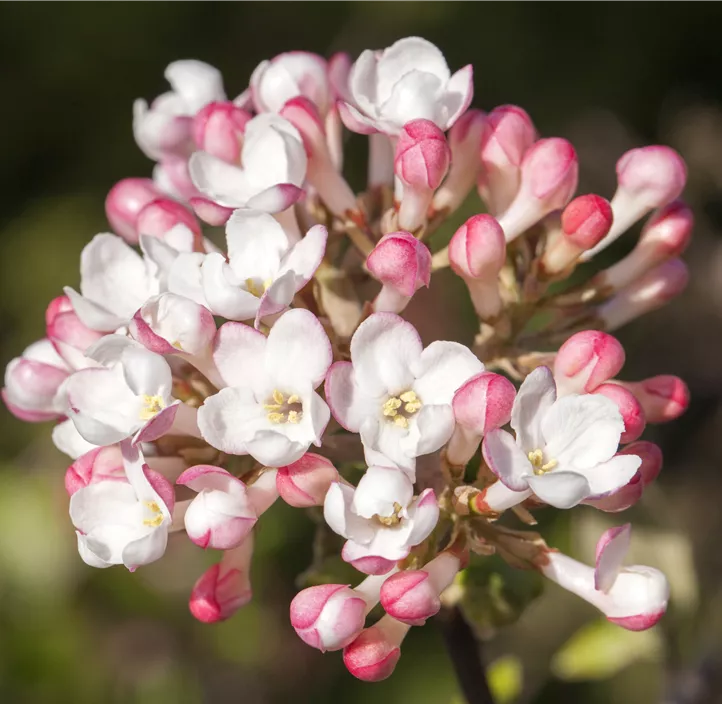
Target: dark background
606	76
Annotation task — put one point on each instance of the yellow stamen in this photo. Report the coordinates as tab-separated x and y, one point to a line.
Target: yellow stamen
293	398
536	457
152	405
294	417
401	421
257	290
276	417
393	519
278	396
390	407
399	408
282	409
157	518
409	396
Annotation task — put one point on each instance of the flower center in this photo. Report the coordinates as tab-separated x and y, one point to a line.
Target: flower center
156	513
152	405
392	520
399	409
257	288
284	409
536	457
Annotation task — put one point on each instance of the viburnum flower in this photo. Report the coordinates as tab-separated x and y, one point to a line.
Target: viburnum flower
409	80
264	270
380	518
396	393
564	449
269	409
128	395
272	168
124	522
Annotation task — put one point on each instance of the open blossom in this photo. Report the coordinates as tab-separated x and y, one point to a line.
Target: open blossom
123	522
564	450
128	395
407	81
272	168
396	393
380	518
269	409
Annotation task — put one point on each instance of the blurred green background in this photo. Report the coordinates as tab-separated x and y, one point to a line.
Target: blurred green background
607	76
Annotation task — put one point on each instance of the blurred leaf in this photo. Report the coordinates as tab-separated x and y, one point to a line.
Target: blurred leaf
506	679
600	649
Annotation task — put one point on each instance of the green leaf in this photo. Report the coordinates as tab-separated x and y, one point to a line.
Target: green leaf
506	678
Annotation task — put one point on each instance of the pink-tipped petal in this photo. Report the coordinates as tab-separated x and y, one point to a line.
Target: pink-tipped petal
305	482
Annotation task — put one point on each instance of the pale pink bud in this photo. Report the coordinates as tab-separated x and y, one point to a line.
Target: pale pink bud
328	616
421	161
652	291
99	465
587	360
412	596
664	398
477	253
225	587
630	409
403	265
585	221
648	178
465	143
172	176
305	482
549	175
123	203
509	134
372	657
322	172
160	216
664	236
218	129
70	337
482	404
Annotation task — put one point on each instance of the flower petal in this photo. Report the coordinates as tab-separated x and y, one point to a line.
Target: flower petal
349	404
457	96
238	352
612	548
612	475
222	290
559	489
431	430
441	369
535	397
230	418
379	490
337	513
223	183
424	514
506	459
256	243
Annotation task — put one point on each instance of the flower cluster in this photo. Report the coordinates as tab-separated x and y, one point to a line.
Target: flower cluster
192	381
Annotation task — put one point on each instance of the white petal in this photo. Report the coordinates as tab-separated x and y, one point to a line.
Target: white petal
612	475
93	315
277	297
147	373
362	82
238	353
256	243
305	256
223	292
68	440
340	518
457	97
275	449
349	403
386	439
559	489
223	183
535	397
429	430
146	549
506	459
185	278
441	369
230	418
379	489
424	515
196	82
414	97
384	350
612	548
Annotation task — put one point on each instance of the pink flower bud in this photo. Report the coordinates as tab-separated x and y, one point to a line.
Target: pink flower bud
123	203
160	216
218	129
482	404
465	143
403	265
372	657
328	616
99	465
586	360
172	176
652	291
664	398
630	408
225	587
549	174
585	221
421	161
412	596
665	236
70	337
477	252
648	178
509	134
304	483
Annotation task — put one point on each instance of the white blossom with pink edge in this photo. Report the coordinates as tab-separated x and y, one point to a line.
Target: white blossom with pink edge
129	395
564	450
164	128
633	597
124	522
409	80
272	169
380	518
396	393
269	409
33	382
264	269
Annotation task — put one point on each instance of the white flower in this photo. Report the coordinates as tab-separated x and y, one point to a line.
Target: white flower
123	522
380	518
165	127
129	395
565	448
407	81
269	409
264	271
273	167
396	393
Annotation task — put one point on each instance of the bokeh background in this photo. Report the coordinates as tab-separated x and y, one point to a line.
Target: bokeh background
606	76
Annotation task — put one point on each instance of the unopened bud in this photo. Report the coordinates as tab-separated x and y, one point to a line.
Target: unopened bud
630	409
101	464
663	398
372	657
70	337
549	175
218	129
587	360
160	216
648	178
123	203
305	482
